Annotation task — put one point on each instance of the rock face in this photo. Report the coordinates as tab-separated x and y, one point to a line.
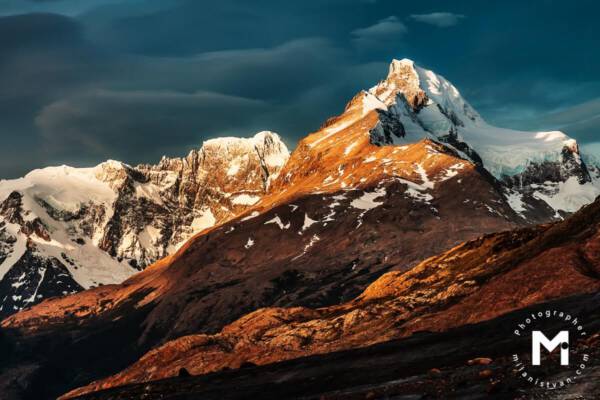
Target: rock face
471	283
100	225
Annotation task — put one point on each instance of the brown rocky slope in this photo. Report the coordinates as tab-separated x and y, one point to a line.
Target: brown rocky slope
472	362
478	280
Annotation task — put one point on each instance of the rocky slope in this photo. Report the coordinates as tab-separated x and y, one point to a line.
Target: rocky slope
100	225
478	280
470	362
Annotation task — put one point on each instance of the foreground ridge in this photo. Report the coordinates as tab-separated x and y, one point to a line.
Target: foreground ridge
471	283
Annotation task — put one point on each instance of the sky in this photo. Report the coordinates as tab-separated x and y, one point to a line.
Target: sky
82	81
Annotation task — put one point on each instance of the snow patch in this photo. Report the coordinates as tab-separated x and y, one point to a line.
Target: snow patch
367	200
276	220
254	214
452	171
568	196
205	220
515	201
349	148
314	239
371	102
427	184
233	169
245	199
308	222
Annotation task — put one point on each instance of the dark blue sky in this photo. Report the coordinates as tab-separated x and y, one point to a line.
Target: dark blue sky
86	80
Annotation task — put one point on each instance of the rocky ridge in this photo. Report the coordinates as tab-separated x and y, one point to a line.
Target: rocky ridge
101	225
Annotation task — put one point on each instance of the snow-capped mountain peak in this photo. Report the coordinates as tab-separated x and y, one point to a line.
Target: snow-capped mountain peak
267	145
413	104
85	227
438	110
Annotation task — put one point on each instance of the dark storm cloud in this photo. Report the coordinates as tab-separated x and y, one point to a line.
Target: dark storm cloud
140	125
66	7
170	104
44	57
188	27
83	97
147	121
280	72
162	75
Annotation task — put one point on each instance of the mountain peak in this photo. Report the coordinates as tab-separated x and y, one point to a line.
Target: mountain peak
437	109
267	145
266	135
413	103
260	138
402	63
402	79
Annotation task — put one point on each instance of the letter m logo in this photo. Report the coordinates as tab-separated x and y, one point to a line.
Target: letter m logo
538	339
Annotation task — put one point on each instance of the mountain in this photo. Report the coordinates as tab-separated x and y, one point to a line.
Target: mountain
66	229
472	282
99	226
414	102
377	189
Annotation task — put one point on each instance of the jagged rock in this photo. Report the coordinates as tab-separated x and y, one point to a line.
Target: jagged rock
113	220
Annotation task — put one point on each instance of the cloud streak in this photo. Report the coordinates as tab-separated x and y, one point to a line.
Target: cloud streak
439	19
385	27
379	34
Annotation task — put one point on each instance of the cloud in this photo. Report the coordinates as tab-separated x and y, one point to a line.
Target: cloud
304	67
389	26
439	19
63	99
380	34
280	72
65	7
146	107
133	125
